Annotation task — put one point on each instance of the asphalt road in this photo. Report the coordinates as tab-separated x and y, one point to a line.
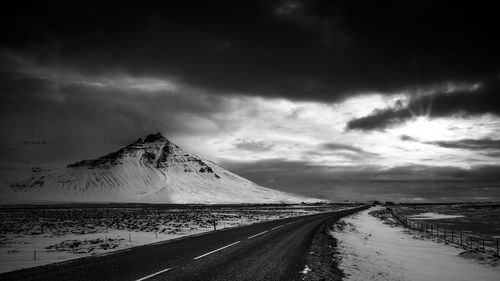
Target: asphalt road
274	250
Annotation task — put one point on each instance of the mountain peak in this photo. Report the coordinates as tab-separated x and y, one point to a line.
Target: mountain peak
154	149
155	138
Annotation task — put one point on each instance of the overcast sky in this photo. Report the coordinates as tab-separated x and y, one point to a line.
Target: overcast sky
345	101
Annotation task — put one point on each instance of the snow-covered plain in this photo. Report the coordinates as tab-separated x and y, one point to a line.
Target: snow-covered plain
19	251
372	250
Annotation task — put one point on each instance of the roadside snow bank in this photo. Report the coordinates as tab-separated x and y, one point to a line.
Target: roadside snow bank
372	250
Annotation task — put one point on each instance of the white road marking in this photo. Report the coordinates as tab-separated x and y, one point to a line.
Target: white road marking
277	227
209	253
257	234
154	274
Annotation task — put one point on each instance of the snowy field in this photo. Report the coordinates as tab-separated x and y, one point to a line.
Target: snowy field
475	219
37	236
373	250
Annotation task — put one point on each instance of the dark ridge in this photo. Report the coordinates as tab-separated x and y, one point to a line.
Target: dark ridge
110	159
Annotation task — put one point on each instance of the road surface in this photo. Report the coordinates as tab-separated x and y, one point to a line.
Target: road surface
274	250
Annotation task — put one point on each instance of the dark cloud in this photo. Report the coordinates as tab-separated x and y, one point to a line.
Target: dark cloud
442	104
341	147
379	120
79	121
317	50
349	152
372	182
408	138
471	144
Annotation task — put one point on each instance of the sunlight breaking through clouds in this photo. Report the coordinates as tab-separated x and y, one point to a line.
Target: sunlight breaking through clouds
244	128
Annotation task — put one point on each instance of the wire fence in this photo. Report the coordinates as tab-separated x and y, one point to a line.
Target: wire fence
461	238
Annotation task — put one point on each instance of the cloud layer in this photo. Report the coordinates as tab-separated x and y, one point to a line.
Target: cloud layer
313	50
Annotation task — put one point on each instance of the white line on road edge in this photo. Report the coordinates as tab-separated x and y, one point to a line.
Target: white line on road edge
277	227
154	274
257	234
209	253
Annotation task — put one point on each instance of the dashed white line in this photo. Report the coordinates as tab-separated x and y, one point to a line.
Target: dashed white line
154	274
277	227
257	234
209	253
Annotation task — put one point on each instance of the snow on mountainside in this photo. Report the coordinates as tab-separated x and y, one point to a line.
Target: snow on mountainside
153	170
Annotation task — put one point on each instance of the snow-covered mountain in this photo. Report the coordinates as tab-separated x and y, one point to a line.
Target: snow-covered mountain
153	170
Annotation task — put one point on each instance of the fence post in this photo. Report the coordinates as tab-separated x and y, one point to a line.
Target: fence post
129	238
444	233
452	234
461	244
34	254
497	247
483	245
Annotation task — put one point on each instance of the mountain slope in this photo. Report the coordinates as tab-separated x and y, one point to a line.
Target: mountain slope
153	170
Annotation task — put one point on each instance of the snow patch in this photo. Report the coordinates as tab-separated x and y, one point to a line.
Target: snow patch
306	270
433	216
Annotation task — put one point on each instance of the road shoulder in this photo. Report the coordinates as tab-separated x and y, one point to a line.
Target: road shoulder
322	261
